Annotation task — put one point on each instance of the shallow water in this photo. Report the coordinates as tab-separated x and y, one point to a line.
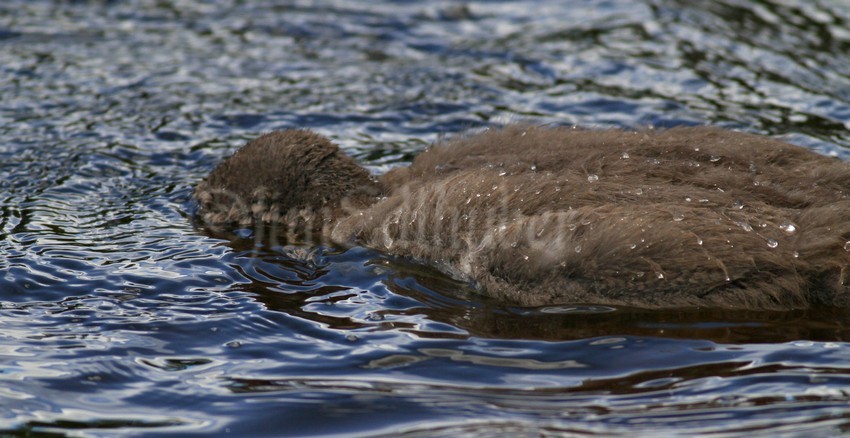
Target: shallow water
120	315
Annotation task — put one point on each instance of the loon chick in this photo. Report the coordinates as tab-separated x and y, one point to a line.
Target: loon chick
534	216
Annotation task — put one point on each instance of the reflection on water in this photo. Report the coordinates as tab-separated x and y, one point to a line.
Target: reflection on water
120	315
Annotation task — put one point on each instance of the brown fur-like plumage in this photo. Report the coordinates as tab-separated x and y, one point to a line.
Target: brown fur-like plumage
541	216
295	177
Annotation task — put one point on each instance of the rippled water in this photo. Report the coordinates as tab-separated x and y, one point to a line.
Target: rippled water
120	315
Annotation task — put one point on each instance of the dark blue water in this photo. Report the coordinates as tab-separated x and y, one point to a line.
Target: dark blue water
119	315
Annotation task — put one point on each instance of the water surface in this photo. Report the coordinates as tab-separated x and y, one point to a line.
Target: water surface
119	315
